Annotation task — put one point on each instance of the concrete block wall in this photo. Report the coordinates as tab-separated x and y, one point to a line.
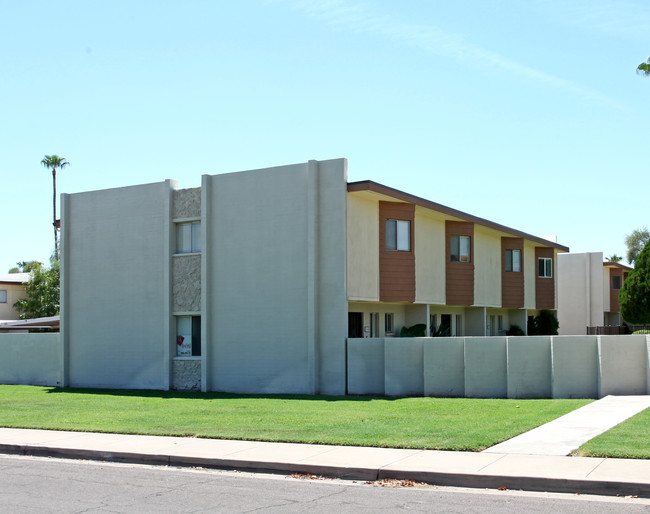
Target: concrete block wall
31	359
501	367
623	365
444	366
485	367
366	366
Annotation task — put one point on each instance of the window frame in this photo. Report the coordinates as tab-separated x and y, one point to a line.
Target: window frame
456	253
620	282
548	262
402	230
3	295
195	243
195	335
389	323
510	262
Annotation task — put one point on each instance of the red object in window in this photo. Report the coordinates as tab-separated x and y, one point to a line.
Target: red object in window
179	340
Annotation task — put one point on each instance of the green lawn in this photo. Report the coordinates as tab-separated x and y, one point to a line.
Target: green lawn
435	423
630	439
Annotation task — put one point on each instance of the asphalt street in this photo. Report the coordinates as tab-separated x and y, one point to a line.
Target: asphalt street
36	484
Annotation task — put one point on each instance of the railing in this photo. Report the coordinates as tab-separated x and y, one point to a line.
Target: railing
612	330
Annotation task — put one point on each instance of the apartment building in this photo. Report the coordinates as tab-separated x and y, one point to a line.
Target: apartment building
588	292
412	261
253	282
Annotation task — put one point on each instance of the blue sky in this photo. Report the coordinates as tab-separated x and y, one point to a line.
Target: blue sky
529	114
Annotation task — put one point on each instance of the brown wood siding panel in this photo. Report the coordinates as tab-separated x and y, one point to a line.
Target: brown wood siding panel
396	269
544	287
512	283
613	293
459	276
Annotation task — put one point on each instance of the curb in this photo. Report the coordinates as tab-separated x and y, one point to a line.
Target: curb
525	483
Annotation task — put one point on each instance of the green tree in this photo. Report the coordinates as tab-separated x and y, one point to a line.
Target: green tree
634	297
644	67
24	266
544	324
52	162
635	243
42	292
614	258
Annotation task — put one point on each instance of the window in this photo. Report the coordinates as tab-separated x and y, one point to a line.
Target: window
500	323
433	324
188	237
513	260
3	296
188	336
616	282
545	267
460	249
374	324
459	325
398	235
388	324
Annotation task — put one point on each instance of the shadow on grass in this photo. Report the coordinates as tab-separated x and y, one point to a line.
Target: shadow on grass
150	393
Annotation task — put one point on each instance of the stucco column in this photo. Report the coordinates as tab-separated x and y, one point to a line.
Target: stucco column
64	290
206	283
168	240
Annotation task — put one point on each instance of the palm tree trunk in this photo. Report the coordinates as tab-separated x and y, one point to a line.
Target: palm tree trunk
56	239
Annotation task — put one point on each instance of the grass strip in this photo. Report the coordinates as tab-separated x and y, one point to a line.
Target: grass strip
431	423
628	440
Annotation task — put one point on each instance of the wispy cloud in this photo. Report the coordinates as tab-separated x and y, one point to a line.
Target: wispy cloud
360	18
616	17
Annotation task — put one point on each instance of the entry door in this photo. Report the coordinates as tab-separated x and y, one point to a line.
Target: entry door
445	325
355	324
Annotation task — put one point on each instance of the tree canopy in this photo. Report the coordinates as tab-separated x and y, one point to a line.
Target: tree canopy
52	162
24	266
614	258
644	68
42	292
634	297
635	243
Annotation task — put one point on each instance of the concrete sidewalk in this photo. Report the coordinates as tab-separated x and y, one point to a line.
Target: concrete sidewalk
567	433
462	469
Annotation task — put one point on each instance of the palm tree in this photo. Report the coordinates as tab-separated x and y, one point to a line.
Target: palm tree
644	67
52	162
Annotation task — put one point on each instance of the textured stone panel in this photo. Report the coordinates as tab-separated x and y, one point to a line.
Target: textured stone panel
186	374
187	203
186	283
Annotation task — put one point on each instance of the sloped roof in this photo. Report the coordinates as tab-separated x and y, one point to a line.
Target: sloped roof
369	185
14	278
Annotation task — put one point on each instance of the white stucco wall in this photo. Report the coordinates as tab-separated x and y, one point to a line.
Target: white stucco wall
429	257
444	366
115	287
31	359
487	267
366	366
363	248
529	367
579	292
276	279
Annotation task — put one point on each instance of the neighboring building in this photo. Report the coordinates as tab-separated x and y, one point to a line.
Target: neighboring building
253	282
12	289
588	291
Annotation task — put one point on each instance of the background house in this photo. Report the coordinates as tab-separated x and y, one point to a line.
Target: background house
11	290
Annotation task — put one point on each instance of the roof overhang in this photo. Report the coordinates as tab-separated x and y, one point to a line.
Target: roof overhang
369	185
